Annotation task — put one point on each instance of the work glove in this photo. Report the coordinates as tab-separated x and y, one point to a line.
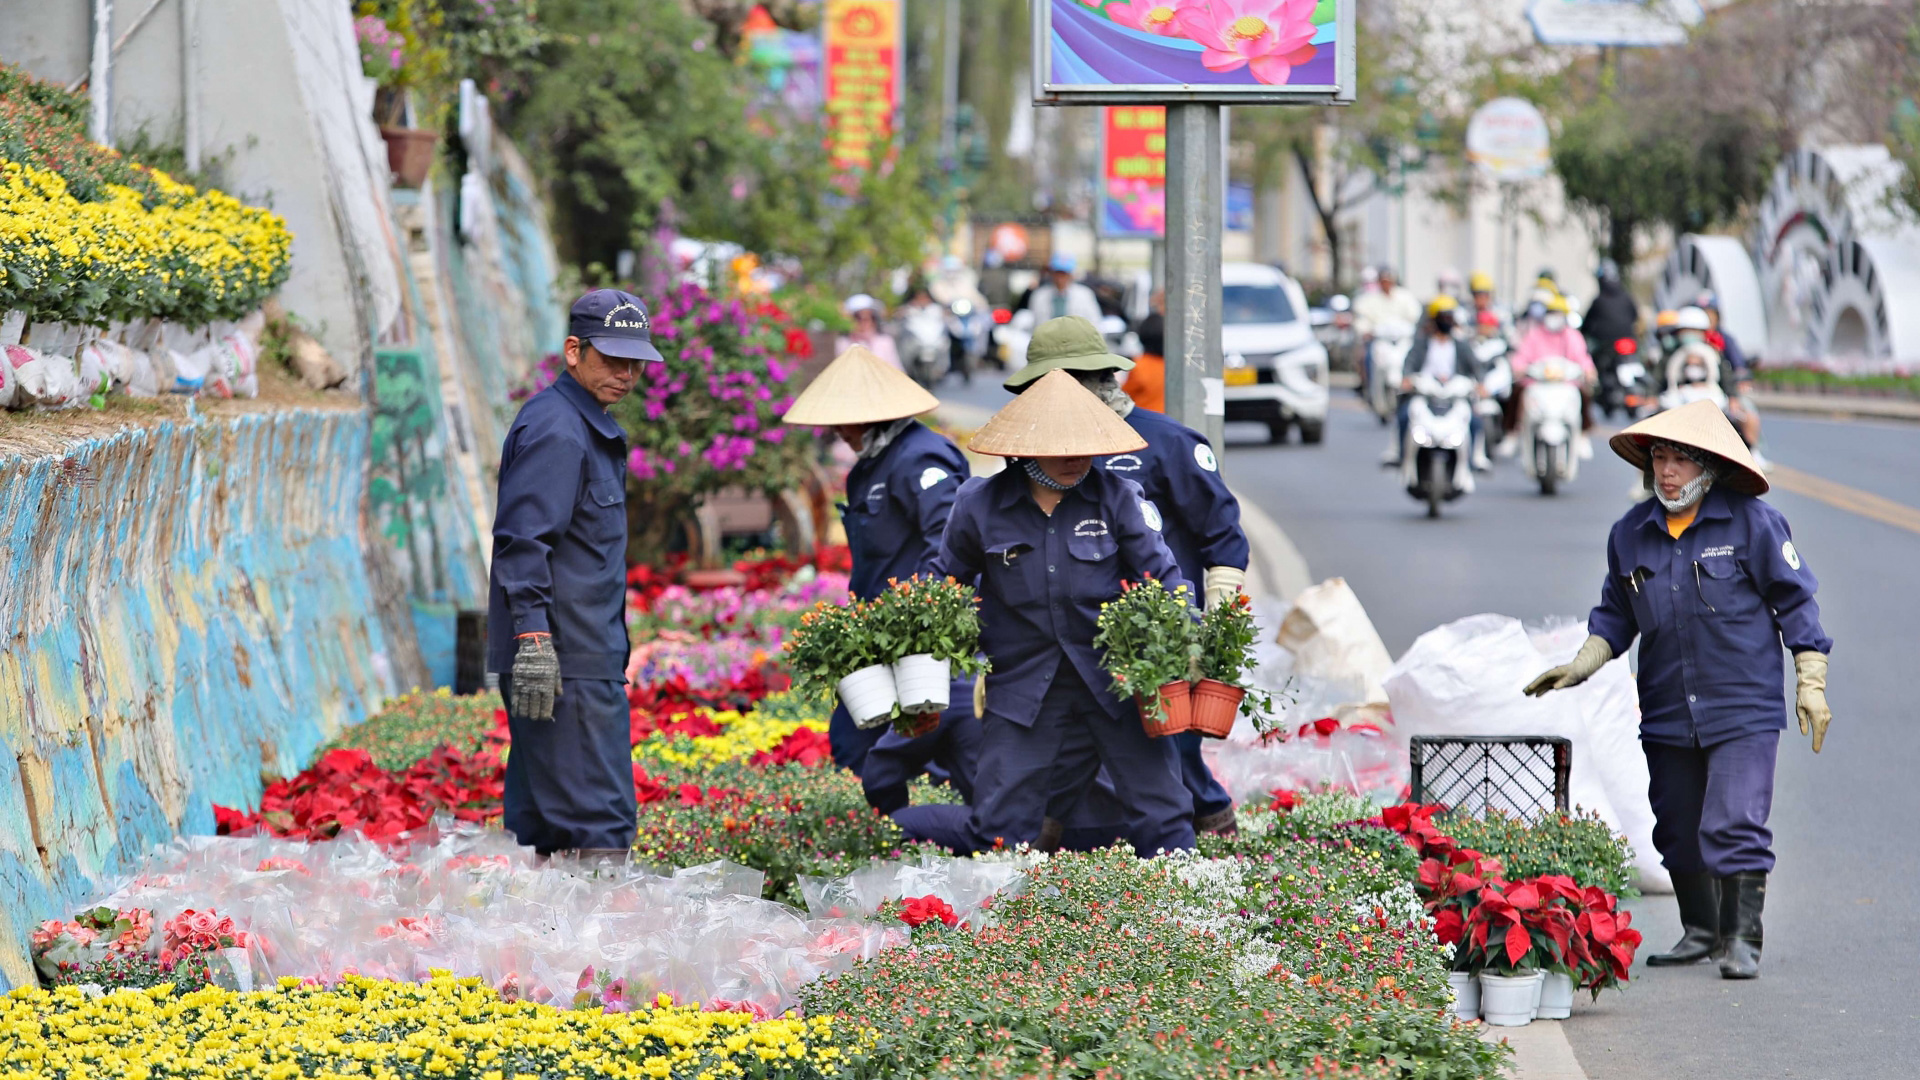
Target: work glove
536	677
1593	655
1811	701
1223	583
979	697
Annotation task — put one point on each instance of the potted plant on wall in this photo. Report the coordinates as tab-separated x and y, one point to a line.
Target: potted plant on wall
1226	667
1152	650
393	59
833	649
927	628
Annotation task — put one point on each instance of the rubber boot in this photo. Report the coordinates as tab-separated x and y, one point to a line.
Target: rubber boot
1742	957
1700	918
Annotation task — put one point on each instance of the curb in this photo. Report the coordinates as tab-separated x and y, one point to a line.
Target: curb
1275	567
1838	406
1540	1051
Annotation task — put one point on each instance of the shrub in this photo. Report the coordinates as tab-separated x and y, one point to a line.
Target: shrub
414	725
1579	845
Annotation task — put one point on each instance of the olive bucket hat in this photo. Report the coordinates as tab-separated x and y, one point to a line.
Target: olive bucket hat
1069	343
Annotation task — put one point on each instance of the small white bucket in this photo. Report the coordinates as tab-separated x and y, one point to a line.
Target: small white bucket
1466	995
869	695
1556	996
1508	1000
923	683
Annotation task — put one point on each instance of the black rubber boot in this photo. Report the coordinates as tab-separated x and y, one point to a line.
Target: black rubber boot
1742	957
1700	917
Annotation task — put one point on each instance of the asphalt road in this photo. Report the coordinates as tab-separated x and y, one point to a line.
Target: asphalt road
1837	996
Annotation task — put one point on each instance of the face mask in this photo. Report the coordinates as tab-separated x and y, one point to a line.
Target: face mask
1692	337
1443	324
1695	490
1039	476
1556	322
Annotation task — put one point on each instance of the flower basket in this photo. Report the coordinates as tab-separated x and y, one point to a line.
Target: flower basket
1509	1000
1214	706
923	682
1173	714
869	695
913	725
409	154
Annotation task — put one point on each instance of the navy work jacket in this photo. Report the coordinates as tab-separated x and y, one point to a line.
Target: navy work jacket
560	535
1042	579
897	505
1712	609
1200	518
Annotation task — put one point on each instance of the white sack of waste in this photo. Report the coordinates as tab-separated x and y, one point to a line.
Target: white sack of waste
42	379
1465	678
1332	639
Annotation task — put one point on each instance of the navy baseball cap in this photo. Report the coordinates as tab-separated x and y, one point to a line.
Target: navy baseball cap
615	323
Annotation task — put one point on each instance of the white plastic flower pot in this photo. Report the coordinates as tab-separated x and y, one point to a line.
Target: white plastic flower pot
869	695
1556	996
1466	995
923	683
1508	1000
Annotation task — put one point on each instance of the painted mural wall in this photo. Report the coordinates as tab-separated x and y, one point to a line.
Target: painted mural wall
183	606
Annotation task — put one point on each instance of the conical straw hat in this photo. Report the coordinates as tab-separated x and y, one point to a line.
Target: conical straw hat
1702	426
1056	417
859	388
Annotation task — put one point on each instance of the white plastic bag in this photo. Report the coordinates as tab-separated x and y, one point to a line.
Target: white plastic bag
1465	678
237	351
8	381
45	381
190	370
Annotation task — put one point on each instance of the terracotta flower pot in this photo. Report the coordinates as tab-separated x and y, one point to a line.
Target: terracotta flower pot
409	154
1175	702
719	577
912	725
1214	706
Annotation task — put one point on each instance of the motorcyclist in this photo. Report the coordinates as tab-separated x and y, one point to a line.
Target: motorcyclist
1740	387
1450	283
1666	331
1388	302
1611	317
1480	284
1440	351
1550	336
865	313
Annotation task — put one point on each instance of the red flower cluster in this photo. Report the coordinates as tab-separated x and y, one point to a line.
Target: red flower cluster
345	791
1547	920
805	746
916	910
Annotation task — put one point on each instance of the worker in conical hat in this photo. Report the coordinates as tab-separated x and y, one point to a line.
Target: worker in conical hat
899	493
1708	578
1049	539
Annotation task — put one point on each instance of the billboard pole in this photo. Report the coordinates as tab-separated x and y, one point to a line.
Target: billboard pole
1196	194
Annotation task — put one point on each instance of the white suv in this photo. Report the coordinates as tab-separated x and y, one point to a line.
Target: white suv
1276	372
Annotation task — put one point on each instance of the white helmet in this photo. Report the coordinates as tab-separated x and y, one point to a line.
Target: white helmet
1692	318
859	302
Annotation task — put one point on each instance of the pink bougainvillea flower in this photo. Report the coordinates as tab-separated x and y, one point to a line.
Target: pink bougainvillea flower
1153	16
1271	36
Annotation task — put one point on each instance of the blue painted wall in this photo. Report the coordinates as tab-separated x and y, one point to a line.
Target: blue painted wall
183	607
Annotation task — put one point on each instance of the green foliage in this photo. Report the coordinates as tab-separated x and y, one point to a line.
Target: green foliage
1149	639
936	616
413	725
1815	380
1579	845
44	126
832	642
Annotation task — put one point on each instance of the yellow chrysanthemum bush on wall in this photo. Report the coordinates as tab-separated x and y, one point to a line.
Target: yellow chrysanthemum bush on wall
444	1027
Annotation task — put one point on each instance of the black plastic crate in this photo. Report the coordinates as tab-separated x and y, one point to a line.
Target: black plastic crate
1526	776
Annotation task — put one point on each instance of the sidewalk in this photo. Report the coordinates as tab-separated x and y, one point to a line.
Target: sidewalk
1838	406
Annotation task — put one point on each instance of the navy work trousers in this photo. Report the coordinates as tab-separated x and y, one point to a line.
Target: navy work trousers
951	750
1710	804
849	741
570	779
1022	769
1208	796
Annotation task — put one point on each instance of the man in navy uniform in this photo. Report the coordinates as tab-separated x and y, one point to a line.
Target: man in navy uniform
1708	578
1189	503
556	613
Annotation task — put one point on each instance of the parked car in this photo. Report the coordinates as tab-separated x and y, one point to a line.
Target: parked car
1276	368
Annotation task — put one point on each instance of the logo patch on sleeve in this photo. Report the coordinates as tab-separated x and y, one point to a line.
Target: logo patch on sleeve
1203	456
1792	554
931	477
1152	514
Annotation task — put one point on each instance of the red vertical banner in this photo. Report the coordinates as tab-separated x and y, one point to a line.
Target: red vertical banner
1133	172
862	68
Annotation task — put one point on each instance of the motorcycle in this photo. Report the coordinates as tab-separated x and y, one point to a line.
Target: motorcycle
1498	382
1391	342
1436	461
1550	421
924	348
1011	337
1693	374
968	334
1624	386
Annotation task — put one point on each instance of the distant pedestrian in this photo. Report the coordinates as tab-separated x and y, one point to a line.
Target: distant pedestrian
556	613
867	314
1062	295
1708	578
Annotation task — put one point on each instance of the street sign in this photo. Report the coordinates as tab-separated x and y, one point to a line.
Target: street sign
1614	23
1507	140
861	40
1148	52
1133	172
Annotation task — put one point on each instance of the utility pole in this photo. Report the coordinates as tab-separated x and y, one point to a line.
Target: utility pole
100	75
1196	197
950	84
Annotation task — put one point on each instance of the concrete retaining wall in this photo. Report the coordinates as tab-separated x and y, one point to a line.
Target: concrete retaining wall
182	607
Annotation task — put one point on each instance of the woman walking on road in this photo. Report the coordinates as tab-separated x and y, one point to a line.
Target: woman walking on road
1707	576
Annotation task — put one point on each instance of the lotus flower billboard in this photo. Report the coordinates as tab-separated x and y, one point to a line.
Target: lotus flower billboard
1232	51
